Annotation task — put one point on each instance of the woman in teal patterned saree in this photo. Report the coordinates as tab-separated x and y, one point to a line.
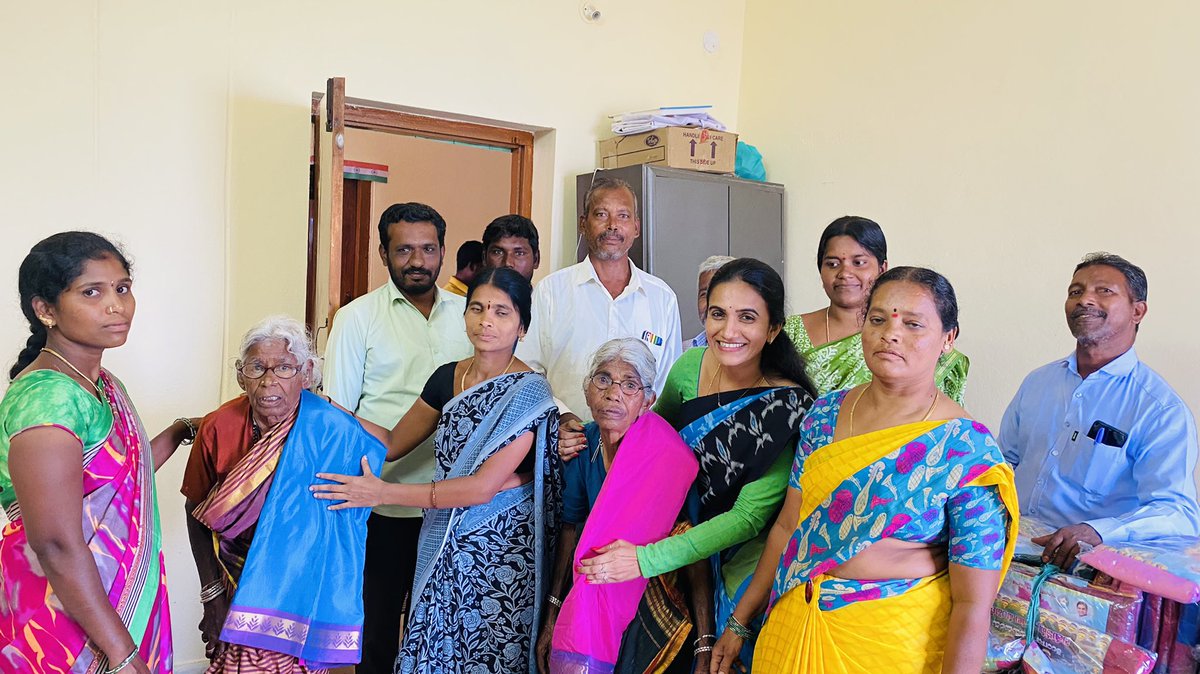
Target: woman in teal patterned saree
852	253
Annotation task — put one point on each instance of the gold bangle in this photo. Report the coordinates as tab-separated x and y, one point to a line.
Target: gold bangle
124	663
432	495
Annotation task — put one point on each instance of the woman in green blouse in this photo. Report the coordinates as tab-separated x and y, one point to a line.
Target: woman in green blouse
738	404
852	253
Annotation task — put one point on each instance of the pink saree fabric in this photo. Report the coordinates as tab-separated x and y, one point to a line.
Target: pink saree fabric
121	528
639	502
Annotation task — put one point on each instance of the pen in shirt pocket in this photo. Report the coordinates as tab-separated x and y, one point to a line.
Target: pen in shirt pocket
1106	434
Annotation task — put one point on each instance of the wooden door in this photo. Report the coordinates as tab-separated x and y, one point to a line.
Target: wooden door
340	210
325	220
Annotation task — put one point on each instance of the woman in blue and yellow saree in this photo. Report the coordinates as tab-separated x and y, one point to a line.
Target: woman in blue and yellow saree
900	515
486	542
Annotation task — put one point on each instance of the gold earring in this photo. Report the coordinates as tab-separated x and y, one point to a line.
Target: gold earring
48	322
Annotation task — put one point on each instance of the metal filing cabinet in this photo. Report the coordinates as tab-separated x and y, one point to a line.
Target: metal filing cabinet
689	215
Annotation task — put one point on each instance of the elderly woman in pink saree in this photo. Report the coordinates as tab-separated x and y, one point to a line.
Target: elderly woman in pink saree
631	485
88	599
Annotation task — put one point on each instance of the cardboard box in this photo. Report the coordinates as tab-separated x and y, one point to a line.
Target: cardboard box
675	146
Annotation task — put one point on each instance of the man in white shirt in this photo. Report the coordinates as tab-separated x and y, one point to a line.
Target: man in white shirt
382	349
606	296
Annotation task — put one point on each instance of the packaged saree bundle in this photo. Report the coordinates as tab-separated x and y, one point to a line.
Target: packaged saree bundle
1169	567
1058	646
1102	609
1184	655
1028	529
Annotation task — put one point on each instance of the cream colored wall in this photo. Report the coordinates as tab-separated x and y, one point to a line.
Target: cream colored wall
183	131
997	143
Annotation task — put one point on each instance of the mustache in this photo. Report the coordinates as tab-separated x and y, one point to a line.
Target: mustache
416	270
612	236
1084	311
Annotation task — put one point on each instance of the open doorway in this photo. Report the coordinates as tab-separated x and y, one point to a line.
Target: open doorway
468	183
469	171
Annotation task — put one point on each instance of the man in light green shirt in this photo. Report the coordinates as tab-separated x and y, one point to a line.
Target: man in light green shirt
382	348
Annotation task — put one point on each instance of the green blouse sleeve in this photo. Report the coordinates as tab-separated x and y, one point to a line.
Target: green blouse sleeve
49	398
951	374
681	385
756	503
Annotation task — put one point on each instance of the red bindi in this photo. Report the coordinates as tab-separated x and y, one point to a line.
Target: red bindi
895	314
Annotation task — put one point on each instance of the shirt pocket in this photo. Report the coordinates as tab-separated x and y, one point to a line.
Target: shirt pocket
1097	467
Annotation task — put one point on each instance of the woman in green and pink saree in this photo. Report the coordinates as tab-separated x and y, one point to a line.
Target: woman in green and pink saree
90	598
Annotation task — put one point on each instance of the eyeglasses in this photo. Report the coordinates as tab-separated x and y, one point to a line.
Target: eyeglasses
256	370
604	382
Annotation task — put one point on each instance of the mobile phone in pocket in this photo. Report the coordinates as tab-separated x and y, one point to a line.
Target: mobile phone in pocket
1107	434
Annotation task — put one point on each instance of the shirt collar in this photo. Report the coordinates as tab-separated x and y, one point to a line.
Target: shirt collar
439	296
586	271
1117	367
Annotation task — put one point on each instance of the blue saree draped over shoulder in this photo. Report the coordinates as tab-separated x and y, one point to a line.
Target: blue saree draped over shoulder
300	592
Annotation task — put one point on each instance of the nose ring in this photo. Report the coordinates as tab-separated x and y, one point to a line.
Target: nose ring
112	309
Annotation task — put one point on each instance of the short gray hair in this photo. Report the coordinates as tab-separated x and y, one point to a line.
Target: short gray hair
715	262
1135	278
291	332
604	184
630	351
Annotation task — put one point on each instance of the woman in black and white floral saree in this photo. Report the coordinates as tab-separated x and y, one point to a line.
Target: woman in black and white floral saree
481	569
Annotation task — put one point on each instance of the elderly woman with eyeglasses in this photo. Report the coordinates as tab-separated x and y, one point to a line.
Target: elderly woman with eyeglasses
630	483
281	575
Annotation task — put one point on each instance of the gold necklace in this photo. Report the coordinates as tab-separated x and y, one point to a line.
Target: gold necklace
826	325
74	369
761	377
462	382
928	413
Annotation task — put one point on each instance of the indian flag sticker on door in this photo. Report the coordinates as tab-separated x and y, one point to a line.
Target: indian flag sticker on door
361	170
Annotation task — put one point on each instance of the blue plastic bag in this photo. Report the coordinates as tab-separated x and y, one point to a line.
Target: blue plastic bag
748	163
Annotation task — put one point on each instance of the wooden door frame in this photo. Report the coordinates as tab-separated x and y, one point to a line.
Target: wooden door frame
371	116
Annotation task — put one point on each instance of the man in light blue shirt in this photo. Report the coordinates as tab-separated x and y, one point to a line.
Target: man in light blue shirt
1103	448
382	349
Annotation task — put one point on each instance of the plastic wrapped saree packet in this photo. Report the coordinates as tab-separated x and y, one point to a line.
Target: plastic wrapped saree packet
1060	645
1151	621
1183	659
1167	567
1166	636
1030	528
1102	609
